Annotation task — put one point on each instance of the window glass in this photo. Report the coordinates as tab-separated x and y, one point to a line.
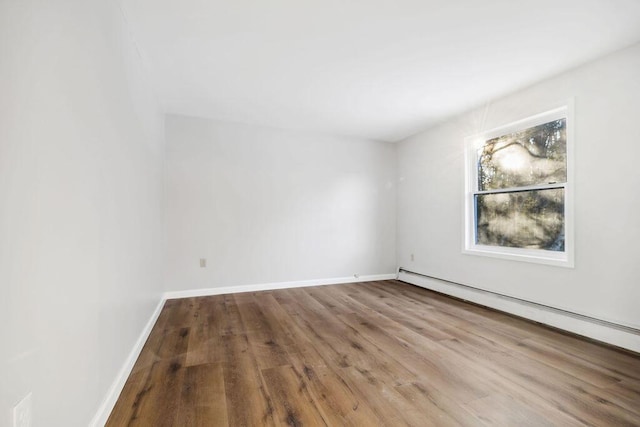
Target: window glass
533	156
521	219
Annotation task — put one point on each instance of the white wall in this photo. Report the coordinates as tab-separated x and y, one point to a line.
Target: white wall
81	196
265	205
604	282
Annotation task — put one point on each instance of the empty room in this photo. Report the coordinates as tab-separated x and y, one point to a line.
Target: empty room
319	213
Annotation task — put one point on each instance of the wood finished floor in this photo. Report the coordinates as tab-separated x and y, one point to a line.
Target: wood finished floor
369	354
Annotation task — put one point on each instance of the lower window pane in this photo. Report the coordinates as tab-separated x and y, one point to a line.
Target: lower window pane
524	219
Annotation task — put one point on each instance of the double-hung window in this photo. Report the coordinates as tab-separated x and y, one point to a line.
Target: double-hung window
518	191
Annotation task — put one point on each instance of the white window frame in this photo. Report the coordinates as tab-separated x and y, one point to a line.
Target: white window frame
541	256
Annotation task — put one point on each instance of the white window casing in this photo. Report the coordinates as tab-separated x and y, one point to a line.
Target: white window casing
564	258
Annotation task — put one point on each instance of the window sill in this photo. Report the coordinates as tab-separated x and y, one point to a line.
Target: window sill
559	259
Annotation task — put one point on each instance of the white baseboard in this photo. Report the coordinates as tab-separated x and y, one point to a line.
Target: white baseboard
276	285
111	398
617	335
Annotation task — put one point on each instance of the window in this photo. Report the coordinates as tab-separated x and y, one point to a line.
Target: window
518	190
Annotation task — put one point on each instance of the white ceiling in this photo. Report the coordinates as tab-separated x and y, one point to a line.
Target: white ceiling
381	69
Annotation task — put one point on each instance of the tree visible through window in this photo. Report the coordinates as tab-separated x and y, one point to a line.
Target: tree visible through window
518	189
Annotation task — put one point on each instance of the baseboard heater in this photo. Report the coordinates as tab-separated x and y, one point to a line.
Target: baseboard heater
579	316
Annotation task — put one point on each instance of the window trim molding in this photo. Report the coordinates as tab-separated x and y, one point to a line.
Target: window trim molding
540	256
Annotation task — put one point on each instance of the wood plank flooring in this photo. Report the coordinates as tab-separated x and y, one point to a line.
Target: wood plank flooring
367	354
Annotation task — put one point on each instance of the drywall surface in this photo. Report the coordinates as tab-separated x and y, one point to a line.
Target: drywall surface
81	190
263	205
604	282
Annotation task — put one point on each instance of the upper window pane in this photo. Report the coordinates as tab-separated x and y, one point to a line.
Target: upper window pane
533	156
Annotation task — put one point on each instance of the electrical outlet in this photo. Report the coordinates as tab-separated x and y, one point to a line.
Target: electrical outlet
412	257
22	412
203	262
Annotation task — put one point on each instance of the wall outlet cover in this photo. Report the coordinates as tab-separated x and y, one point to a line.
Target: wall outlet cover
22	412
